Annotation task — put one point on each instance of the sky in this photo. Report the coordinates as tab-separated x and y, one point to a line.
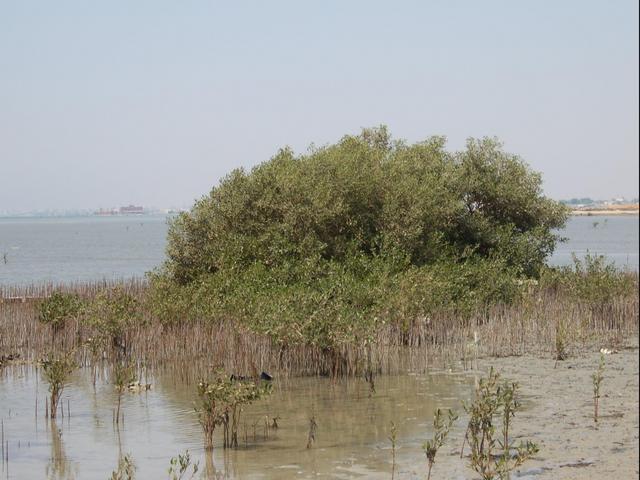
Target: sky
152	102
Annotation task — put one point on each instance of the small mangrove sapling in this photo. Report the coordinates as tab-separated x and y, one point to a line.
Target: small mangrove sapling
126	469
441	426
220	403
181	466
56	371
495	399
597	378
123	375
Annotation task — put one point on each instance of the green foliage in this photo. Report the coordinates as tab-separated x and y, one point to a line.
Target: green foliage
373	196
182	465
495	399
592	280
111	311
322	248
59	307
596	281
123	375
441	428
220	401
56	370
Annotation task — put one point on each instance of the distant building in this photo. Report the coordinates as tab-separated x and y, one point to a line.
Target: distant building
106	212
131	210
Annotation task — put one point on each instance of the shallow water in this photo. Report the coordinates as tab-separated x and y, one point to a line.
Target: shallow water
351	442
616	237
80	249
40	250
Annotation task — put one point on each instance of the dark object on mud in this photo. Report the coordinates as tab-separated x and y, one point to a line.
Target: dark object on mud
240	378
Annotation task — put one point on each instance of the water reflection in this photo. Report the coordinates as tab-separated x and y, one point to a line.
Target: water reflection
351	438
59	466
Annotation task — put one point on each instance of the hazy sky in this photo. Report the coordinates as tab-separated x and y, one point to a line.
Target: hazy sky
151	102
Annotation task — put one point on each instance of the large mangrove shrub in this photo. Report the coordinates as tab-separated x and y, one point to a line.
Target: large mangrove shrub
315	248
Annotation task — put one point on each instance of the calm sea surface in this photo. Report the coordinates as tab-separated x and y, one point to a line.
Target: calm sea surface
42	250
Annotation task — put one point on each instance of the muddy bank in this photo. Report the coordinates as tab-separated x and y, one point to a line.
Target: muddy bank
558	413
353	423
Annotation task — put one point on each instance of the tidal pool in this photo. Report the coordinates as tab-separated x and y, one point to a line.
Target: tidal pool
351	440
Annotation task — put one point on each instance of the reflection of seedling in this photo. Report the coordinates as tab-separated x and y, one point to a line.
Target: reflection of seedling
274	422
441	430
313	427
597	380
494	399
181	465
392	438
126	469
123	375
56	371
370	378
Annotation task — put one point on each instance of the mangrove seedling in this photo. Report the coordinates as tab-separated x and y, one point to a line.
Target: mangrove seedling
123	375
220	403
494	399
441	428
126	469
210	408
56	371
597	381
393	438
181	466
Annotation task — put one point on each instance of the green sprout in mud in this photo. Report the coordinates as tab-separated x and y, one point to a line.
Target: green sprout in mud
596	379
495	399
441	426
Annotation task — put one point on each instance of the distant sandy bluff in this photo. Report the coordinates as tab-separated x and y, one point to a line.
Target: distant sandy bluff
626	209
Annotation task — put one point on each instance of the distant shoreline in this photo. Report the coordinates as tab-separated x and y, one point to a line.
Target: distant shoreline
600	212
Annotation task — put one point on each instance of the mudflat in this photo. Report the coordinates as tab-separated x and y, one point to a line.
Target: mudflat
558	413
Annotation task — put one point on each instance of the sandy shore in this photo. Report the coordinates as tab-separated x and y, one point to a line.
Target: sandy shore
558	414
